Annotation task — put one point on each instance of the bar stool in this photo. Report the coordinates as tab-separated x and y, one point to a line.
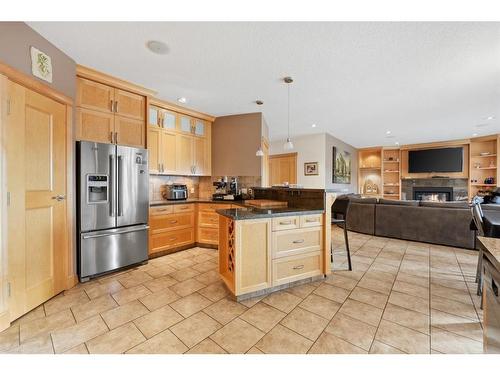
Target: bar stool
340	208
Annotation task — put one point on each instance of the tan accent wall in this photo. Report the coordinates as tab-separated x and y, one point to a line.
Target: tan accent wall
235	140
16	38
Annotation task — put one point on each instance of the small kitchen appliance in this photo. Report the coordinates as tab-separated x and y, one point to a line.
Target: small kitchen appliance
176	192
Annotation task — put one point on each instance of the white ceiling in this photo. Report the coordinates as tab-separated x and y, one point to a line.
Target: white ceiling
422	81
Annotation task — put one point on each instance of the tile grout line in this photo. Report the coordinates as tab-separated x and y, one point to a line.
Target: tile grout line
385	306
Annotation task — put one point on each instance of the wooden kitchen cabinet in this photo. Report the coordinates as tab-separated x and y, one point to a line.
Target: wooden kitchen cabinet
95	96
182	142
130	105
130	132
171	227
107	112
94	125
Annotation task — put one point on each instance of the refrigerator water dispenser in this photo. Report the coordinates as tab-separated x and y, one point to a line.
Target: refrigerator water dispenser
97	188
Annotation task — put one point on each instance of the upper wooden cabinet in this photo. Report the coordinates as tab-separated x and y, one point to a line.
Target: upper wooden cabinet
95	96
178	144
110	110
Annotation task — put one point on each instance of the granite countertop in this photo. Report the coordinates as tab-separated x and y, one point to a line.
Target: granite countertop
248	213
492	246
164	202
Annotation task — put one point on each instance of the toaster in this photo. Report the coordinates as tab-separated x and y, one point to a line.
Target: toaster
175	192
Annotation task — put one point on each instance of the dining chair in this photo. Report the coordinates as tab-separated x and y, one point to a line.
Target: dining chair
340	209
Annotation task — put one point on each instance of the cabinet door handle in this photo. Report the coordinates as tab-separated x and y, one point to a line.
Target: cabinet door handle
111	135
112	105
116	106
183	208
162	209
298	241
299	267
173	238
312	220
173	221
116	137
285	222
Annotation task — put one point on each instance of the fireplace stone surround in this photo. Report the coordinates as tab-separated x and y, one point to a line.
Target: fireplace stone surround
459	185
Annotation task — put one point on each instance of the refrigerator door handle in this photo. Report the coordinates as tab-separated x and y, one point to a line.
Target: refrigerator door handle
112	185
111	233
120	185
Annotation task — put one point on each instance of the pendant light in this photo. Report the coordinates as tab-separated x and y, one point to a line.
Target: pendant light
288	144
259	152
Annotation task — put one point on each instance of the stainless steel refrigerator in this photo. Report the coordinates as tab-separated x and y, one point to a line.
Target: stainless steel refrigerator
113	204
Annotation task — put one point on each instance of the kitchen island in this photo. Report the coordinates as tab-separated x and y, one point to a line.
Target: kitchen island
263	250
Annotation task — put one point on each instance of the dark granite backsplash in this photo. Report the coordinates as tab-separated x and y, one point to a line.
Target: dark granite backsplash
459	185
313	199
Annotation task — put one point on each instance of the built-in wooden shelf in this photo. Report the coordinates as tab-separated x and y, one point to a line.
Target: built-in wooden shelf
388	171
485	168
484	156
483	184
370	168
391	161
391	185
391	195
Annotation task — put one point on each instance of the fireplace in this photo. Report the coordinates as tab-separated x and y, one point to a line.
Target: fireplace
437	194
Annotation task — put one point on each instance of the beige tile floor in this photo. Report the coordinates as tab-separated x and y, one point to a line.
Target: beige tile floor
402	297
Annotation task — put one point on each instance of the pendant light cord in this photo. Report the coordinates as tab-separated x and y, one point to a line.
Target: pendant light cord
288	90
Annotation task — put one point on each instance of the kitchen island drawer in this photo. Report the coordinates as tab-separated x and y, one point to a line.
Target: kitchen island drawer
167	240
288	269
307	221
171	222
294	242
208	219
285	223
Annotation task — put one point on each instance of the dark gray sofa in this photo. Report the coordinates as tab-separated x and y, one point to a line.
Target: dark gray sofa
446	223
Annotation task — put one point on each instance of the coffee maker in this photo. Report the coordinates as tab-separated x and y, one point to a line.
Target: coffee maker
227	190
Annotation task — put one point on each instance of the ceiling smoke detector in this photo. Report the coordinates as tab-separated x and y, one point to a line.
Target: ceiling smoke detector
259	102
157	47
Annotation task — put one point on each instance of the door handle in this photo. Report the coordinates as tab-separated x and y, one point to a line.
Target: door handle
173	221
298	241
120	187
59	197
112	185
123	231
285	222
112	105
116	106
299	267
111	135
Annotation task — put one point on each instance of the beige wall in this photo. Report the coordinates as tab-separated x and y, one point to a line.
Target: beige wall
16	38
235	139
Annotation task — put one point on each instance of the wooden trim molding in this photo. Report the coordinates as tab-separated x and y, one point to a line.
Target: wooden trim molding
94	75
179	109
276	156
33	84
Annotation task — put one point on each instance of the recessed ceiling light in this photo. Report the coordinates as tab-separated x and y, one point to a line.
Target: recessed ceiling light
396	143
157	47
482	125
388	132
490	118
474	134
313	125
182	100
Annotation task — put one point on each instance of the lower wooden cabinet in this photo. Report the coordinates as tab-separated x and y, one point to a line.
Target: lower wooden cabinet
208	235
208	222
169	229
293	268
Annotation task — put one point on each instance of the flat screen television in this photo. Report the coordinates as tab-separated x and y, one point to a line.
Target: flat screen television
449	159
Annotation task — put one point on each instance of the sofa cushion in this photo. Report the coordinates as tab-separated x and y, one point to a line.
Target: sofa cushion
397	202
453	204
363	200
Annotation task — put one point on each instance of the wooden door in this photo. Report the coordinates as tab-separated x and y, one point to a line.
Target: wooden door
95	96
94	125
168	152
130	132
184	163
283	168
130	105
154	147
36	175
200	156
